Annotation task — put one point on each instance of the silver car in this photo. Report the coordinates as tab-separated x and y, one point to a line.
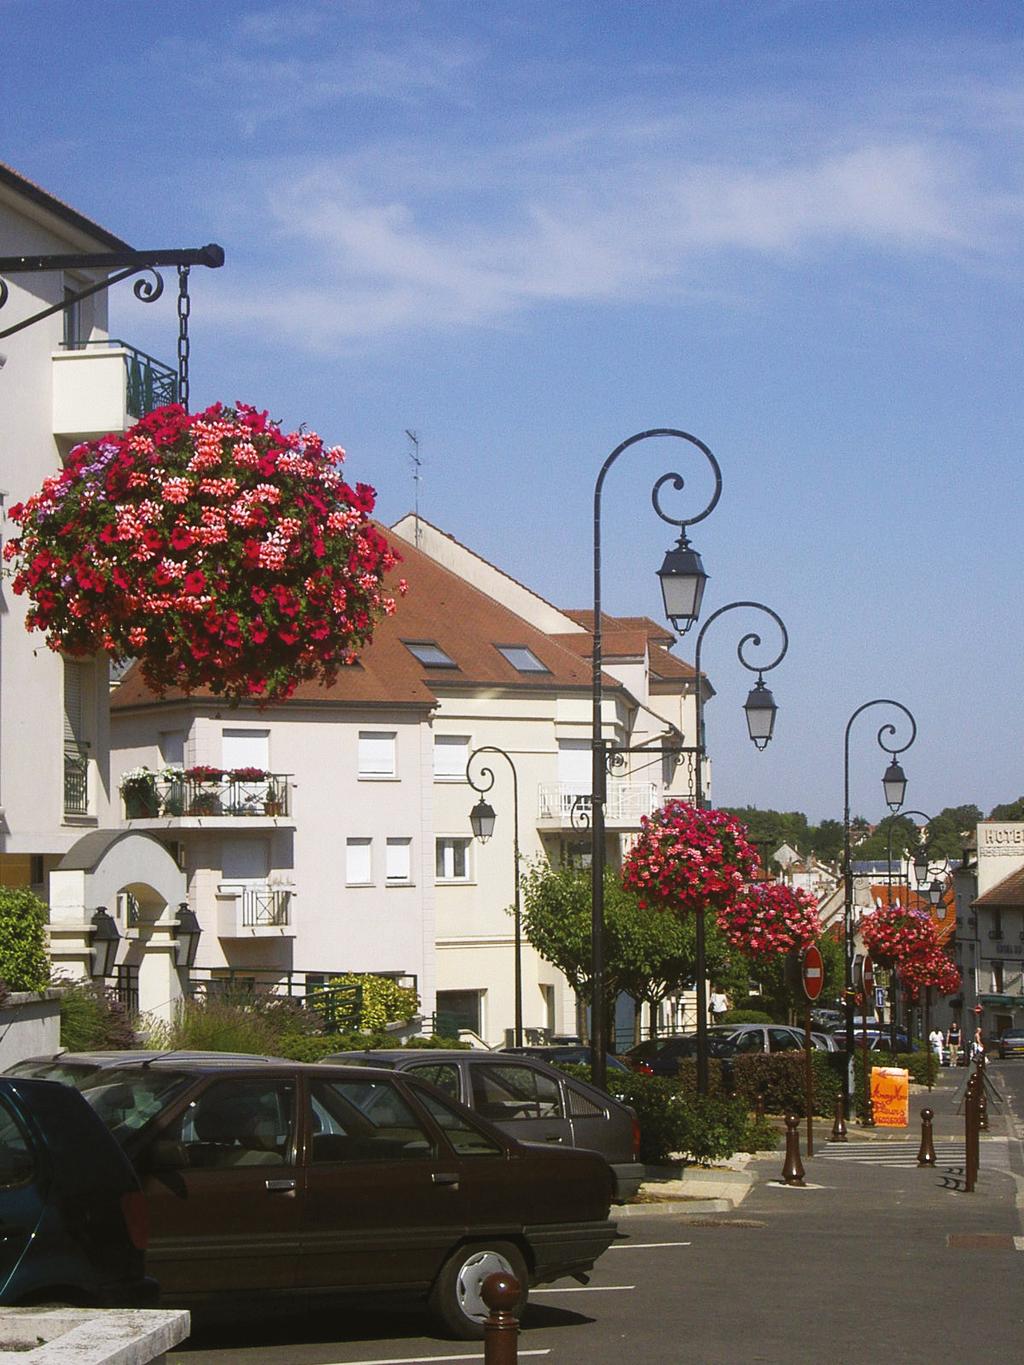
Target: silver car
528	1099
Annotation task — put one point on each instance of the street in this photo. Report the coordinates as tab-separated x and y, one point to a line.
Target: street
874	1255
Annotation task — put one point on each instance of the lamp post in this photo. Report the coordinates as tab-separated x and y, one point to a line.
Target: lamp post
482	820
683	580
103	944
894	785
187	932
760	711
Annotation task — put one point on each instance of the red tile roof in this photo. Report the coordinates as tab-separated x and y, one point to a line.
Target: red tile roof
1005	895
442	608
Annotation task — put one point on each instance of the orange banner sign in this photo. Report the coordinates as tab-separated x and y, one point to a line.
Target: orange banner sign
890	1096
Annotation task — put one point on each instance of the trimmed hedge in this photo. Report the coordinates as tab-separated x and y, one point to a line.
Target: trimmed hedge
780	1077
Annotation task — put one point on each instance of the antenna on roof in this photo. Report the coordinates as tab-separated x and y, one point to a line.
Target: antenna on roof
417	464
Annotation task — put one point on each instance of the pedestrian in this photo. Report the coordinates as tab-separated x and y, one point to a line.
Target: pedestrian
978	1047
953	1043
937	1042
719	1005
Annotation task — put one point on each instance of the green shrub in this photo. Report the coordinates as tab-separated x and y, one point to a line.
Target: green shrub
216	1025
382	1001
746	1017
779	1077
24	961
93	1019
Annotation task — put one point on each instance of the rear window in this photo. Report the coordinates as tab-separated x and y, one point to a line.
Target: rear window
16	1160
126	1099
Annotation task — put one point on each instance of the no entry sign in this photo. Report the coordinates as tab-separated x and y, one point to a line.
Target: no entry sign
812	972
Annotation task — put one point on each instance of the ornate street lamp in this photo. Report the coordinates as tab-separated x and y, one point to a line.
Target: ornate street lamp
482	821
682	584
186	937
895	785
760	710
103	944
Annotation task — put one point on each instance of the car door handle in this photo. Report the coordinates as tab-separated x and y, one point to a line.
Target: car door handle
444	1178
281	1186
554	1137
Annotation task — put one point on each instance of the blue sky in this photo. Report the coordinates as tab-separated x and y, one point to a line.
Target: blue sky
528	230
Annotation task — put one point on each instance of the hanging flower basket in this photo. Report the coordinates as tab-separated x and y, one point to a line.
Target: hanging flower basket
687	860
770	919
214	548
930	968
893	934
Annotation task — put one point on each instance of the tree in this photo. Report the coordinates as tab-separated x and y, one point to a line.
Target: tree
780	998
946	832
649	954
905	837
1010	810
826	840
24	962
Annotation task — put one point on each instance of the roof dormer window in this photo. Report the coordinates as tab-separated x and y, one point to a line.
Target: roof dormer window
429	654
522	659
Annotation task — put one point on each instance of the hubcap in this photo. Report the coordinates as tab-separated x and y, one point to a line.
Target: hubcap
474	1271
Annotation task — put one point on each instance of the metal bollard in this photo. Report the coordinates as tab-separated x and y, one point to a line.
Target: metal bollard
839	1124
971	1128
793	1169
926	1152
759	1106
501	1292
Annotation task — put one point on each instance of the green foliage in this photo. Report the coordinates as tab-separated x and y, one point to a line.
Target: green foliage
1010	810
905	838
768	830
649	954
93	1019
382	1001
780	995
779	1077
746	1017
946	832
219	1025
24	962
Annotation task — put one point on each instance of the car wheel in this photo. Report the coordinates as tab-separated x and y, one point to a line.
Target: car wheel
456	1301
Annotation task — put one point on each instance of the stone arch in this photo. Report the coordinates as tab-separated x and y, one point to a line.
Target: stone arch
93	873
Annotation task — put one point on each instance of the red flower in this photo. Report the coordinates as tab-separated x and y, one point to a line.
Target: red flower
194	583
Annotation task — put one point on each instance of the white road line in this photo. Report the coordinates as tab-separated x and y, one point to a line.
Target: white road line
643	1246
582	1289
430	1360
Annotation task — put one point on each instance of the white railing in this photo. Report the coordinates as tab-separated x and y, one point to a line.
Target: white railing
626	802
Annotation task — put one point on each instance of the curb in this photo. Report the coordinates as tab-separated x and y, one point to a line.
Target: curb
675	1208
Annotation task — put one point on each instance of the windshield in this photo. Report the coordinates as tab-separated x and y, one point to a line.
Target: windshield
126	1098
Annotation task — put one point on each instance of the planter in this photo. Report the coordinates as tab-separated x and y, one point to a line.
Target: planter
273	807
141	803
206	803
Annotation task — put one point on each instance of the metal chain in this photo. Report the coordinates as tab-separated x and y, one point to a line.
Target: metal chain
184	308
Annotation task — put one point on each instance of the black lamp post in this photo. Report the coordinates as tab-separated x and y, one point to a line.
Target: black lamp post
895	786
104	944
682	585
186	937
760	710
920	864
482	819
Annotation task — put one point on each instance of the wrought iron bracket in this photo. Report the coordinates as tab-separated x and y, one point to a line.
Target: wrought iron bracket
125	263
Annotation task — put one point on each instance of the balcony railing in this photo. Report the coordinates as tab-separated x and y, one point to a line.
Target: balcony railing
76	779
149	383
179	796
339	1005
626	802
267	907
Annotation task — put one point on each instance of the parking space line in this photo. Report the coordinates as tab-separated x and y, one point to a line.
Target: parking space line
645	1246
432	1360
582	1289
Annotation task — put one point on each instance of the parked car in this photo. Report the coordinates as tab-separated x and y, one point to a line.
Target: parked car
305	1179
576	1054
828	1019
72	1214
879	1039
529	1099
663	1055
760	1037
1011	1043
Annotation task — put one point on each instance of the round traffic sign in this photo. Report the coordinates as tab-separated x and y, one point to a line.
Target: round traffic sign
812	972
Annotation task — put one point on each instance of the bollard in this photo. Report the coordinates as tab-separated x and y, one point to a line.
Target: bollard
839	1124
982	1107
501	1292
926	1152
793	1169
971	1148
759	1106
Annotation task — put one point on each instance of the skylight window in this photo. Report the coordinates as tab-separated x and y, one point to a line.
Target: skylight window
429	654
522	659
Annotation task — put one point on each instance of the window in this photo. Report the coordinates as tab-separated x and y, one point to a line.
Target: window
522	659
453	860
513	1091
377	753
172	748
459	1009
365	1121
17	1163
465	1137
429	654
399	860
445	1075
359	862
76	744
451	753
236	1123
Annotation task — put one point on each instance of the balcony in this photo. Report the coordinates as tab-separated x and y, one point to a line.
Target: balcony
626	802
105	386
247	911
76	779
178	801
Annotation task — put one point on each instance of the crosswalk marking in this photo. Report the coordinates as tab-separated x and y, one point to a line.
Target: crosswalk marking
901	1153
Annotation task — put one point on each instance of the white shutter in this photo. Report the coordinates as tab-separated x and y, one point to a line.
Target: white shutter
575	761
399	860
450	755
358	862
377	753
74	703
245	749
